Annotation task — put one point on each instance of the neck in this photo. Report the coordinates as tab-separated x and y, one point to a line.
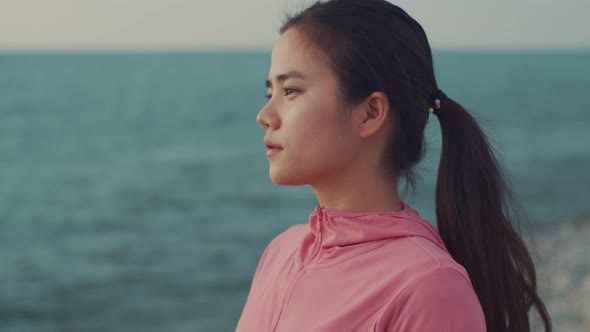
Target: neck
362	192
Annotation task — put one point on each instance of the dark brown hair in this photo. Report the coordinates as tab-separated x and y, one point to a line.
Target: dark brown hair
373	45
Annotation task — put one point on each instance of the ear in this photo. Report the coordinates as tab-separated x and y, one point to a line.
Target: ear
371	114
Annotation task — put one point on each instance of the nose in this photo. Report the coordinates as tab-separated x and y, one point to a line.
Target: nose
268	118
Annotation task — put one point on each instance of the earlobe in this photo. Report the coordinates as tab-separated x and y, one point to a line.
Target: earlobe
374	111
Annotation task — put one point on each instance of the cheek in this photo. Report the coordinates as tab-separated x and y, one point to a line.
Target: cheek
319	143
323	143
321	126
314	128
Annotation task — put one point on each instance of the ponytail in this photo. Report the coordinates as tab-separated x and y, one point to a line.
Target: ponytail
472	208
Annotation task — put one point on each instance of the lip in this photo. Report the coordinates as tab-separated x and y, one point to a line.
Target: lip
272	148
272	151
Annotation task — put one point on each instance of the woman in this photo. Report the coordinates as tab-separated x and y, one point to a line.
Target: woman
350	88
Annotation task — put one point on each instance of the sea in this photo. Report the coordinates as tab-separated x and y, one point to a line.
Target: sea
134	188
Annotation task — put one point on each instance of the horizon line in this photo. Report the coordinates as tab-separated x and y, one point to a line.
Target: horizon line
66	51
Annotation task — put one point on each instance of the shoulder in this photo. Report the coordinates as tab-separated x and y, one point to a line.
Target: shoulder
440	299
432	257
288	240
415	257
282	246
291	236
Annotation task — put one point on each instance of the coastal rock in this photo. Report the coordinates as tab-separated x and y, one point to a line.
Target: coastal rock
563	273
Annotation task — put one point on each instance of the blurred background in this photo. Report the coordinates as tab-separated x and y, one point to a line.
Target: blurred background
134	189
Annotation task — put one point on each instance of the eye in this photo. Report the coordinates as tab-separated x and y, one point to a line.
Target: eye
289	91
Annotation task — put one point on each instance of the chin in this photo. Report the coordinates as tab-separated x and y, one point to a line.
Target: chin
283	179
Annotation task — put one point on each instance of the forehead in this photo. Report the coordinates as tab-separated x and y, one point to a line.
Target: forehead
294	52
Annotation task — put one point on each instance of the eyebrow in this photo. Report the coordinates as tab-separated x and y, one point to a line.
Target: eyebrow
283	77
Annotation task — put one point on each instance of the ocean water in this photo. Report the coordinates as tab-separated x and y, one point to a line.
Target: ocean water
134	190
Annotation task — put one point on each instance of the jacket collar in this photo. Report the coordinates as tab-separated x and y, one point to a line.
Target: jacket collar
332	227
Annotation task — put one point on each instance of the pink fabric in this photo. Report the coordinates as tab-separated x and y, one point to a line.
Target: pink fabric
360	271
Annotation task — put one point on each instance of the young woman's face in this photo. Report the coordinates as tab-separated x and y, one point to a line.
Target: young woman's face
304	116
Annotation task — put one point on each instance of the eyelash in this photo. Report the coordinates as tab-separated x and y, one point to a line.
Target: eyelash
268	96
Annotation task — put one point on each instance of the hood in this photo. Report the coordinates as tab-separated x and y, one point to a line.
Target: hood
331	231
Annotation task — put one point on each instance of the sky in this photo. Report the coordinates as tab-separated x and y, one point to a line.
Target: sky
103	25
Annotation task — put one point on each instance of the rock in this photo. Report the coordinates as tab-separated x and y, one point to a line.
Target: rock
563	273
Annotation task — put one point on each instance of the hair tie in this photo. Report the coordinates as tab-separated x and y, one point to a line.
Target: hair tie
437	100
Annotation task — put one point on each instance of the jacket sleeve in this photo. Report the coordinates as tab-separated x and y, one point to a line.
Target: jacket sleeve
441	300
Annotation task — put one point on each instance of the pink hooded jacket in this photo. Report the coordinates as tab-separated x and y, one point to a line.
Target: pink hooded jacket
360	271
